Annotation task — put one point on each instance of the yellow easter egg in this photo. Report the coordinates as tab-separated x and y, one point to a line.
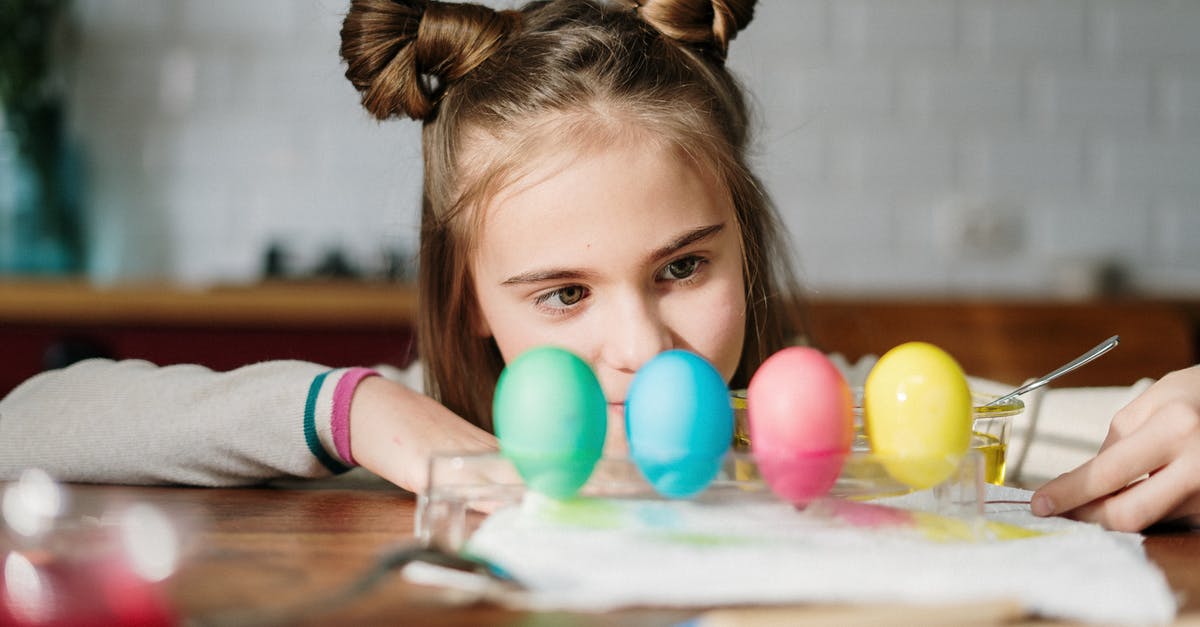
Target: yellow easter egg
917	414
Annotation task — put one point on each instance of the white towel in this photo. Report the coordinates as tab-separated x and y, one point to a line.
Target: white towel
603	554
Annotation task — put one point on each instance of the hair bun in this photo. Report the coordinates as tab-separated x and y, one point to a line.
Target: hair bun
400	54
701	22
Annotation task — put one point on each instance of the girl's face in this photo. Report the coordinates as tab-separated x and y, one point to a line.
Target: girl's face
616	256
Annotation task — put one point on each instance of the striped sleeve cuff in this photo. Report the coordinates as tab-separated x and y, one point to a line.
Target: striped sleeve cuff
327	416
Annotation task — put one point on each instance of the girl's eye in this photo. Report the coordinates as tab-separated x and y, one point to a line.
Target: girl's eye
565	296
681	268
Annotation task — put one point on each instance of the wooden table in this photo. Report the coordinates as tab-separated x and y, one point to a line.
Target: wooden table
269	548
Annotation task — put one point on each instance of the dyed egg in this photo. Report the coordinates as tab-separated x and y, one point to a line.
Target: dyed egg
550	417
679	422
917	414
801	419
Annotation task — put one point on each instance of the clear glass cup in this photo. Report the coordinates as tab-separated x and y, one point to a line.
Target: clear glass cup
465	488
991	429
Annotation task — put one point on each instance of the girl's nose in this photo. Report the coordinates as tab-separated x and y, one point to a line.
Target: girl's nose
636	333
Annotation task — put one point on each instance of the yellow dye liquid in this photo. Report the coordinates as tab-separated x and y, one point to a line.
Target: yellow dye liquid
994	453
991	447
741	430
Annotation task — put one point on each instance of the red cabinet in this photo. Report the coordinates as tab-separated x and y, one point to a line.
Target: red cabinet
47	323
344	324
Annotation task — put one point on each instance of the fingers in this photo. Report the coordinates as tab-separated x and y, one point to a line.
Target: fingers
1124	422
1168	495
1176	387
1130	418
1126	459
1167	447
1188	512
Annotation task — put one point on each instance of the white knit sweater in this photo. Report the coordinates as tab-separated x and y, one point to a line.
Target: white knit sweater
133	422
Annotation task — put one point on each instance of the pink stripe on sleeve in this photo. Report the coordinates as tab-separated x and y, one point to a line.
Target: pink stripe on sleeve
339	423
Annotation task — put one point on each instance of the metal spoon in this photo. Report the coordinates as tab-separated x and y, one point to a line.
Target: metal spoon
1100	349
391	561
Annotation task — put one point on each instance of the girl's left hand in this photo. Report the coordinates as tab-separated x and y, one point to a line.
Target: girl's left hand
1147	469
394	431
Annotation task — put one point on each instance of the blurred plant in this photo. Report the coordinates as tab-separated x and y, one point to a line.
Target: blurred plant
25	53
31	101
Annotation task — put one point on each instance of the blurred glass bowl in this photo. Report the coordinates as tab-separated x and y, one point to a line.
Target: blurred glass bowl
991	429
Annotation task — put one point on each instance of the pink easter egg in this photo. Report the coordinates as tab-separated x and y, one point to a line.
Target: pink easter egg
800	415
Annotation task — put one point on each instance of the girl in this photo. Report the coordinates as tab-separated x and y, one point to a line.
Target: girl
585	186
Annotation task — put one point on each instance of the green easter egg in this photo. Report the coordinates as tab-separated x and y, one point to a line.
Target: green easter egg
550	417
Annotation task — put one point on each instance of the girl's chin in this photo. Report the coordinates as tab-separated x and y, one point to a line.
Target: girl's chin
614	440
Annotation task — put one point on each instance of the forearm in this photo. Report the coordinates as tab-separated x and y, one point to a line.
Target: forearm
133	422
395	430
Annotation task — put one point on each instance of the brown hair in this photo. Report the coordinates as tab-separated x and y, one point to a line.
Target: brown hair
475	75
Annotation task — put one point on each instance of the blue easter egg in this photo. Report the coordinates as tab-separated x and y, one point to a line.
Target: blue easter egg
678	422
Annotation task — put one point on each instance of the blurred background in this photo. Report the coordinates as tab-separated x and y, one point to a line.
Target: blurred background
927	147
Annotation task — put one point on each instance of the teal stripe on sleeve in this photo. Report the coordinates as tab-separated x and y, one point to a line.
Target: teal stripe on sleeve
310	428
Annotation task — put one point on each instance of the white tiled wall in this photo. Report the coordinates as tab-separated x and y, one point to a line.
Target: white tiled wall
935	146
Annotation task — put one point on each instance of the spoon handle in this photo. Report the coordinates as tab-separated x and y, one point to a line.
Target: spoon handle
1098	350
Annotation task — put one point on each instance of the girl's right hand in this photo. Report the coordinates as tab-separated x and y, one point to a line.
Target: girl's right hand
1148	468
394	430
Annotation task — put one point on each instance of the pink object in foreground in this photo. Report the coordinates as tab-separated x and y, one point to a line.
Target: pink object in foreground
800	415
46	590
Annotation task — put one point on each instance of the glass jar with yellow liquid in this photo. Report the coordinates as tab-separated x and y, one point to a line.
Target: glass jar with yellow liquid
991	429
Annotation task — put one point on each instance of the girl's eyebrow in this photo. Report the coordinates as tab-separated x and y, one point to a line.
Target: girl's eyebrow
537	276
556	274
687	239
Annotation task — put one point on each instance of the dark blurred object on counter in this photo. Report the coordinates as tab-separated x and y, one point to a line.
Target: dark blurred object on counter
40	212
